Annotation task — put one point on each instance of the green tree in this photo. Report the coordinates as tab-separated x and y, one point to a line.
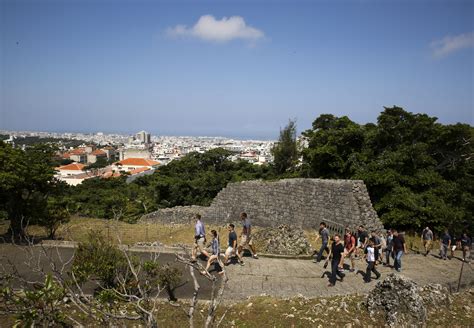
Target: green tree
26	180
285	150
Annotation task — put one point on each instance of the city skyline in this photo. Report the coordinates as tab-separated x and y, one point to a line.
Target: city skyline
239	70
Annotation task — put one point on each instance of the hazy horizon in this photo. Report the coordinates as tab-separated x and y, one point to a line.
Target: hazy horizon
233	69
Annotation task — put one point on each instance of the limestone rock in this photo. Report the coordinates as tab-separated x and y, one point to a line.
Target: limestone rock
283	240
402	302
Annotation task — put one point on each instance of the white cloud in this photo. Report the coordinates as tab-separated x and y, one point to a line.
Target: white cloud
210	29
447	45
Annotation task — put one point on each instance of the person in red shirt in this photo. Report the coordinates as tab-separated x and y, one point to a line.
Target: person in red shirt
349	247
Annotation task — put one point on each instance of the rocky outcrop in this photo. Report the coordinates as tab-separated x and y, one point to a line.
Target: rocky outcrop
284	240
402	302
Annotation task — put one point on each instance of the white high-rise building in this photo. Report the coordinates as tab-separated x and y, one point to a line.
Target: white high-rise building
143	137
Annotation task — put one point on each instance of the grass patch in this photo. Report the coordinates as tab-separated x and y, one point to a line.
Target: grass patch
78	228
338	311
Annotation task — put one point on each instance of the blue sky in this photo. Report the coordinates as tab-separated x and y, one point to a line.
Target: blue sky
239	69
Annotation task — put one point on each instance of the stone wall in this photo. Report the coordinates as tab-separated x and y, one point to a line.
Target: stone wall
178	214
303	203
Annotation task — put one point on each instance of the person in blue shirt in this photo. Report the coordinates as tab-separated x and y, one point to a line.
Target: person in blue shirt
215	253
199	238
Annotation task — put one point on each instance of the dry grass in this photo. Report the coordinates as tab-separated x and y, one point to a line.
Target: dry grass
338	311
78	228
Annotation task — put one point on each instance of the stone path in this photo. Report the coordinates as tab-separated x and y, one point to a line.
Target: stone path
281	277
287	278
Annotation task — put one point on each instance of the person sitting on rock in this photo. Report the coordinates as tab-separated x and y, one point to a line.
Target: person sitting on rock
371	258
246	237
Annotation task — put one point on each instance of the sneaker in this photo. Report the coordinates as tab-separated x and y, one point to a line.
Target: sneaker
351	270
330	285
255	256
241	263
398	270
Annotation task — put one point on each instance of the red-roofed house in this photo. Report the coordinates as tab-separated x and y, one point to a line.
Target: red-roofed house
70	169
78	155
131	164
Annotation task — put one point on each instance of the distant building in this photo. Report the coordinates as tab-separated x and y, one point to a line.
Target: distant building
134	153
134	164
143	137
93	156
70	169
78	155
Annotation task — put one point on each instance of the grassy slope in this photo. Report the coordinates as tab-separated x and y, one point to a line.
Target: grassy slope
301	312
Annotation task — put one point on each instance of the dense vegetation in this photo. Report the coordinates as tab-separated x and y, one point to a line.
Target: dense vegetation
418	172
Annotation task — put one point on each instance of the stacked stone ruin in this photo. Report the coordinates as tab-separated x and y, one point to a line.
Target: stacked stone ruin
302	203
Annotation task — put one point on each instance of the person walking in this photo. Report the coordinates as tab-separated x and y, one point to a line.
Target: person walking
399	247
371	258
466	243
445	244
246	237
214	257
362	239
427	240
377	244
232	247
349	247
337	249
199	238
324	235
388	248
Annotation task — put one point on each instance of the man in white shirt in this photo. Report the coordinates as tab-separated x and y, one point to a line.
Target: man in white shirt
371	262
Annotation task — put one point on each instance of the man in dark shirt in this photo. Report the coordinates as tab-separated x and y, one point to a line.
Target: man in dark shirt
377	245
337	249
231	249
445	245
324	234
466	243
362	239
399	248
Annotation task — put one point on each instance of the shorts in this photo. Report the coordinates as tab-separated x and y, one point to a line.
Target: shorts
347	253
245	240
199	244
229	251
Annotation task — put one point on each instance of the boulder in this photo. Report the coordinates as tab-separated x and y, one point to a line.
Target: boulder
283	240
402	302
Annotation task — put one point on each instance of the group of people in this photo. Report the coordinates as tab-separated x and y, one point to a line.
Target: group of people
211	251
374	247
447	242
370	247
377	249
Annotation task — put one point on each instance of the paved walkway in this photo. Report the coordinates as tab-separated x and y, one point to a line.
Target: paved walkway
280	277
287	278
